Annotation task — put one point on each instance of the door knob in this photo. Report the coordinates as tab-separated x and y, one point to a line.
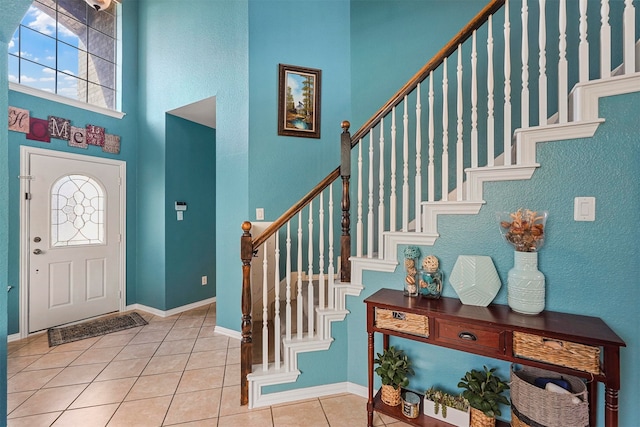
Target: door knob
37	239
37	251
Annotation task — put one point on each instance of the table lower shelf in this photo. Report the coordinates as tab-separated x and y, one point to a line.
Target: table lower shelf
421	421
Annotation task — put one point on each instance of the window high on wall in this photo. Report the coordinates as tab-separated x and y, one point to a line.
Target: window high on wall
68	48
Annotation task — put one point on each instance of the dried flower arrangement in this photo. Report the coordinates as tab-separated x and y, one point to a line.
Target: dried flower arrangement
524	229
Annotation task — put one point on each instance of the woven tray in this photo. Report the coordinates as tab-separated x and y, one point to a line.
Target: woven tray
557	352
534	406
409	323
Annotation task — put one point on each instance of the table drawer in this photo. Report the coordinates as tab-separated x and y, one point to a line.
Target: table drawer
409	323
480	339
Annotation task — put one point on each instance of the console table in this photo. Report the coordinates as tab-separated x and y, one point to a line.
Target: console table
489	331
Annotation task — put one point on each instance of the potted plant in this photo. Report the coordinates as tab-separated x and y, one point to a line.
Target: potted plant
446	407
394	369
484	391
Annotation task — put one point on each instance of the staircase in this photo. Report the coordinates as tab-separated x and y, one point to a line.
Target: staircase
425	153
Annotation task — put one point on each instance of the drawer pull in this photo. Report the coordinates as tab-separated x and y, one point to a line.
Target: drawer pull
398	315
554	344
467	336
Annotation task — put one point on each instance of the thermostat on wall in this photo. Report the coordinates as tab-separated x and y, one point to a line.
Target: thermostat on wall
180	208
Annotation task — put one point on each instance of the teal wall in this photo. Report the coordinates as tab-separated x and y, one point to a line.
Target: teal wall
190	243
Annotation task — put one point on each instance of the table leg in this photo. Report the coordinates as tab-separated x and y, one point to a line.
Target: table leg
370	373
610	407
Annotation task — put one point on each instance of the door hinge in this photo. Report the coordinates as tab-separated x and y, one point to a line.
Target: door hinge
27	196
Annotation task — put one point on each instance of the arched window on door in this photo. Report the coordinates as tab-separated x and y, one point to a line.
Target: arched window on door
77	211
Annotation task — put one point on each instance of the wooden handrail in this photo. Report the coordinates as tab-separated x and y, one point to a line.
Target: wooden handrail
438	58
424	72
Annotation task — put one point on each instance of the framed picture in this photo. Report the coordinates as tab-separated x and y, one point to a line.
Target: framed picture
298	101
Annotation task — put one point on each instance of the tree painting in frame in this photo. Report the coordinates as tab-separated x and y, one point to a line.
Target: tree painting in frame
299	101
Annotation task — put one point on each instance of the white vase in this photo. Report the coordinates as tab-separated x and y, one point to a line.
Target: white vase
526	284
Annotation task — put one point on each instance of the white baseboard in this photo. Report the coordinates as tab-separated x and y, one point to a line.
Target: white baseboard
228	332
310	393
173	311
14	337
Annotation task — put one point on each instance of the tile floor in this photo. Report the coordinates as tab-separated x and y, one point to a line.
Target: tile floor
173	371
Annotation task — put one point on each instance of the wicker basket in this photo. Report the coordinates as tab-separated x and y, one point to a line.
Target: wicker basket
563	353
409	323
479	419
390	396
535	406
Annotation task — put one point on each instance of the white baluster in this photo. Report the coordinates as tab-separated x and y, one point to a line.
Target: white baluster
583	47
299	301
393	197
524	97
288	280
418	181
491	137
629	37
321	284
445	133
542	65
310	304
459	129
431	170
474	102
405	167
370	212
276	320
563	67
359	236
331	271
265	311
605	40
507	86
381	216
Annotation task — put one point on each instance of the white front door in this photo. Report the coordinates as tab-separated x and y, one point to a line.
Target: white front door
74	238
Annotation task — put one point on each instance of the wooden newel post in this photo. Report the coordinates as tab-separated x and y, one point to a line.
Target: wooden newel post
246	345
345	173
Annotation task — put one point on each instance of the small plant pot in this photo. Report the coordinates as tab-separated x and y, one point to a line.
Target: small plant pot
449	415
479	419
390	396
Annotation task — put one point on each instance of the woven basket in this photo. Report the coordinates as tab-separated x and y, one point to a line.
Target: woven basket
535	406
479	419
409	323
390	396
563	353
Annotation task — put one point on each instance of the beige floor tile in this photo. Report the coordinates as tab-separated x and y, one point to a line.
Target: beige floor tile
111	340
147	337
164	364
230	401
31	380
189	322
104	393
175	347
48	400
141	413
257	417
206	331
16	364
97	355
207	359
96	416
42	420
16	399
398	424
347	410
233	343
76	375
182	334
54	360
75	345
159	326
201	379
232	375
233	355
123	369
154	386
308	414
32	349
194	406
213	343
210	422
135	351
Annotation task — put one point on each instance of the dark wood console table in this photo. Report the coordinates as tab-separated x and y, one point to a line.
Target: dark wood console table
489	331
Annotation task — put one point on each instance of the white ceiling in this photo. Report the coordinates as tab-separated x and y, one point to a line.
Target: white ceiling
202	112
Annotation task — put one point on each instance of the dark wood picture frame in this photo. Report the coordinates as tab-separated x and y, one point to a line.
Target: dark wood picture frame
299	91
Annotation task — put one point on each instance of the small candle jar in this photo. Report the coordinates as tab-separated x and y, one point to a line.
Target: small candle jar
430	278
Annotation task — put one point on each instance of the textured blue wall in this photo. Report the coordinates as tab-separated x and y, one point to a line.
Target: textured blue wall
190	243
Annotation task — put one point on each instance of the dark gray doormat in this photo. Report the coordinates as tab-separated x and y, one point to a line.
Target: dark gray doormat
94	328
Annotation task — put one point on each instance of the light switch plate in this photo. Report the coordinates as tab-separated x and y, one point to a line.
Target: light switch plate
584	209
259	214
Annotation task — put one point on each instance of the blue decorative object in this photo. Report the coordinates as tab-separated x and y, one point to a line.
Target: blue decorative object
475	280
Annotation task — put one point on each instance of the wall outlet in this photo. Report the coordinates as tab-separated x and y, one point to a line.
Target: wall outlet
204	280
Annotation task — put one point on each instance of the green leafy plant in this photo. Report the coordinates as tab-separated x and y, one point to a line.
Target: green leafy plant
394	367
446	400
484	391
